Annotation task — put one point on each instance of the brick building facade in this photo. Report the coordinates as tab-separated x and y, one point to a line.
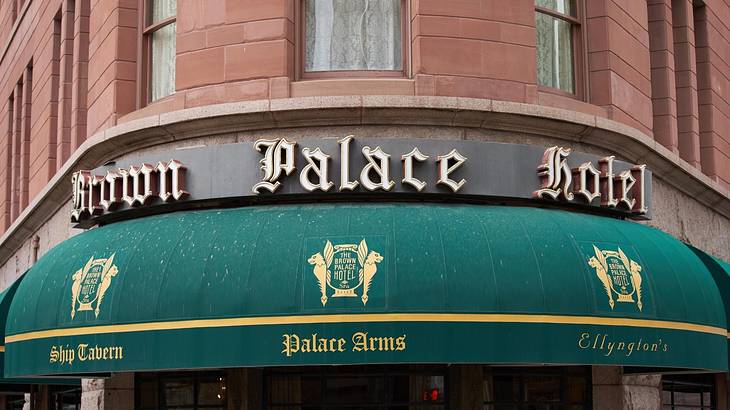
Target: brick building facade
648	82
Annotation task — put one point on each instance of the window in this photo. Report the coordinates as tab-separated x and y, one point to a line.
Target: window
363	37
158	48
557	26
361	387
546	388
688	392
190	391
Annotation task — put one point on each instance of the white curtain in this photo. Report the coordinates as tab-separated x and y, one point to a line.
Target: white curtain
162	67
353	35
160	10
555	46
554	52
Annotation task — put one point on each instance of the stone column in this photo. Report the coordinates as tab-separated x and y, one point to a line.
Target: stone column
612	390
92	394
642	391
114	393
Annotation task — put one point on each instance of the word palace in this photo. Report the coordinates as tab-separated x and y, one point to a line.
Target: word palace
279	158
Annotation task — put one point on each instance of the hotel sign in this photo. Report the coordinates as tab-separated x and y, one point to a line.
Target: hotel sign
350	168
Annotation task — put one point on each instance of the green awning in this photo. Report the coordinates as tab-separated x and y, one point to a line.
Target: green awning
720	271
365	283
5	298
11	384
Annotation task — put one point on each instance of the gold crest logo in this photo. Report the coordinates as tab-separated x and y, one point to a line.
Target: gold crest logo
344	268
620	276
90	283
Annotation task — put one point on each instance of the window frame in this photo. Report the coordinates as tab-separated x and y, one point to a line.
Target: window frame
299	55
144	52
580	53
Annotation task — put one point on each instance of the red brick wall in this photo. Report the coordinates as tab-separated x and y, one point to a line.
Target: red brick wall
475	49
5	161
242	48
713	88
663	85
6	20
618	60
685	62
34	56
112	71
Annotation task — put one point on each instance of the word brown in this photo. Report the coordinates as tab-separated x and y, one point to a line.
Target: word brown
135	186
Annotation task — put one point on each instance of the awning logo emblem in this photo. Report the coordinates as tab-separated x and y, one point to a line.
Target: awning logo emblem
90	283
620	276
345	268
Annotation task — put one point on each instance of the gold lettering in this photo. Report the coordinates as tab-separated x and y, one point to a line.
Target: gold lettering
400	343
82	352
583	336
341	344
322	345
610	348
386	343
306	346
314	343
54	354
630	347
291	344
359	341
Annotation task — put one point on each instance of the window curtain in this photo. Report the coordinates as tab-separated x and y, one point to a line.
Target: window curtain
353	35
554	52
162	67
